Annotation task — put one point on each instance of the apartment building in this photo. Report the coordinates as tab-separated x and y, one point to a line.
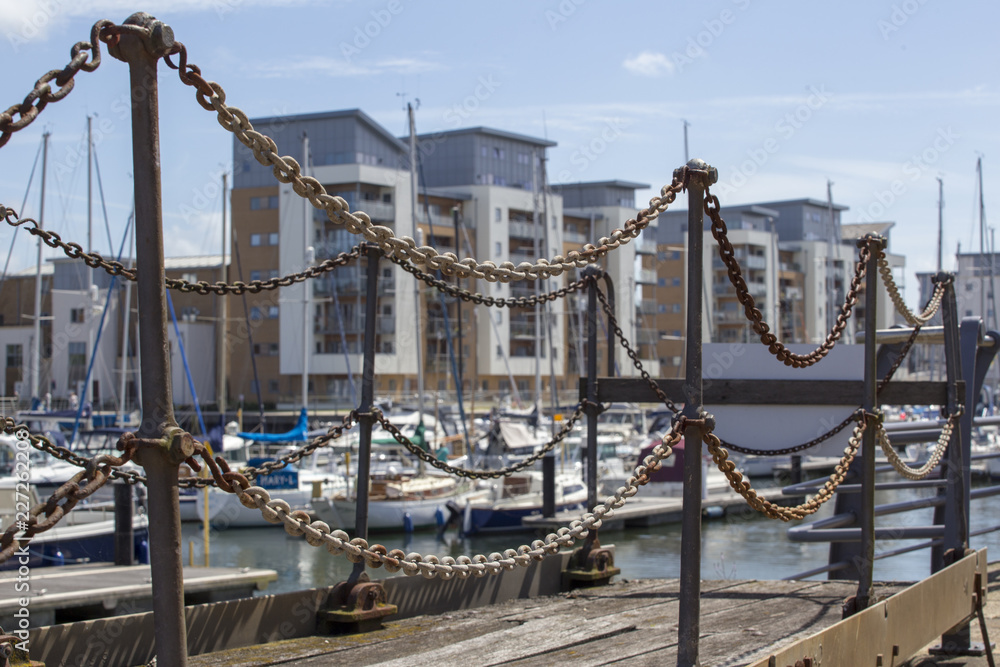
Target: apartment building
797	261
84	327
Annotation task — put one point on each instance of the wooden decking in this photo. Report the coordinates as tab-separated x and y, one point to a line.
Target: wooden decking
633	622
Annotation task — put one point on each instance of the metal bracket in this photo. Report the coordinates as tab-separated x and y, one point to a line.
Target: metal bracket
589	566
356	607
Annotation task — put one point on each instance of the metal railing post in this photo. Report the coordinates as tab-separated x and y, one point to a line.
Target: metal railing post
866	520
159	459
591	407
609	286
952	468
698	176
365	417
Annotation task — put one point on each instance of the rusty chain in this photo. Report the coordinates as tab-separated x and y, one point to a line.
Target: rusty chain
426	457
41	95
319	534
728	255
81	486
839	427
633	355
211	96
721	459
115	268
484	299
133	477
939	450
897	299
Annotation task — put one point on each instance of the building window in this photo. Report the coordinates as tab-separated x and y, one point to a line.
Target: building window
272	386
675	307
498	214
661	308
661	282
261	203
484	151
498	153
498	248
77	354
255	314
272	312
254	275
255	240
676	282
272	238
15	356
76	315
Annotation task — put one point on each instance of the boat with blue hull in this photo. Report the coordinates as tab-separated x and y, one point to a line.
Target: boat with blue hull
85	535
518	496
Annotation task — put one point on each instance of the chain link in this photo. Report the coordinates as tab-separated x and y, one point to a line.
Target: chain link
211	96
40	96
337	542
115	268
633	355
426	457
897	299
81	486
728	255
721	459
486	300
939	450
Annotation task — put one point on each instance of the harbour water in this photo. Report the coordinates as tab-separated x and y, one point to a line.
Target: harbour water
742	545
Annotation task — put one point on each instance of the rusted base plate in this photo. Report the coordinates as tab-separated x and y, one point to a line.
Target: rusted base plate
589	578
350	622
974	649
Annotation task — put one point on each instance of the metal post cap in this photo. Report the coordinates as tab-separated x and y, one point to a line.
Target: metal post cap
158	41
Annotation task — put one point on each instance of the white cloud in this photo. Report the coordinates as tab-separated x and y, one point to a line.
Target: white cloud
649	63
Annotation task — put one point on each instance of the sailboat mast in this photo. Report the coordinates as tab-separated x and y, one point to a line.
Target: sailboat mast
126	330
538	288
416	283
36	359
223	310
940	247
307	260
982	240
553	390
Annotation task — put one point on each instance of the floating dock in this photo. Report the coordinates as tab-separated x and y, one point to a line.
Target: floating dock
642	511
96	590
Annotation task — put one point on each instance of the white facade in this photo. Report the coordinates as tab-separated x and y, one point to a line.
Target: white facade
292	216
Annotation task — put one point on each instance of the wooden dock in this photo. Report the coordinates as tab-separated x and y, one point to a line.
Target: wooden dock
644	511
81	592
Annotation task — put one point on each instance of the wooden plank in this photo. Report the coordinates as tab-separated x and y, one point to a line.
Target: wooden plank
772	392
908	621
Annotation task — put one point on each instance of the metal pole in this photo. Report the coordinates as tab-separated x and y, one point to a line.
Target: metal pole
955	535
307	260
459	381
365	417
36	352
866	520
610	288
699	175
223	313
591	407
160	459
124	535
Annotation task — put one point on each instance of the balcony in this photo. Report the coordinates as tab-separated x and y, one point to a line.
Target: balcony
757	287
522	329
647	336
647	306
377	210
646	277
524	230
755	262
351	286
730	316
578	238
645	246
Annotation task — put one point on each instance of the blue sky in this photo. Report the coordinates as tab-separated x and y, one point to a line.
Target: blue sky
881	97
